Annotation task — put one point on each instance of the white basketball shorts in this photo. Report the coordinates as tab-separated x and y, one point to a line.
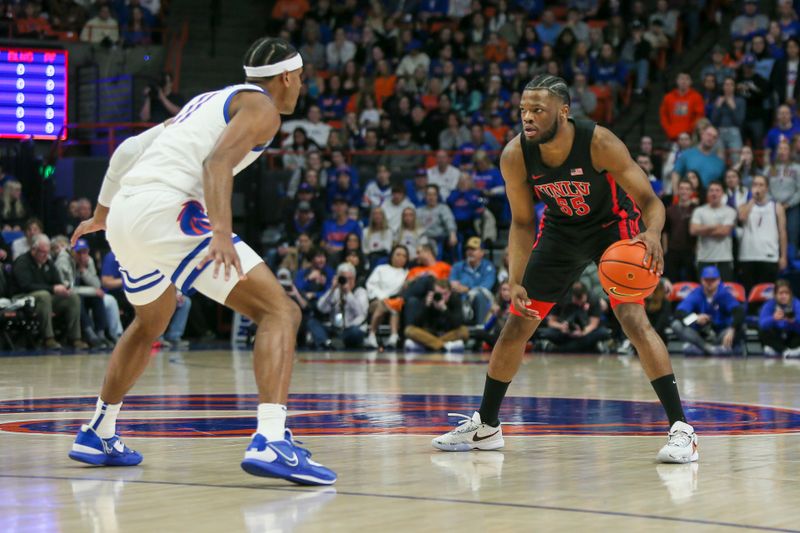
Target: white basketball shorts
159	237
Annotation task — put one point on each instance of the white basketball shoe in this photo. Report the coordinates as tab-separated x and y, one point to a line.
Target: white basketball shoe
681	446
471	434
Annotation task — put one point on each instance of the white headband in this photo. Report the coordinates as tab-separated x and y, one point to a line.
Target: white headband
266	71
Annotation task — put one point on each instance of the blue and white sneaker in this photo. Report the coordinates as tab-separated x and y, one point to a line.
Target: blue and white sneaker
89	448
284	459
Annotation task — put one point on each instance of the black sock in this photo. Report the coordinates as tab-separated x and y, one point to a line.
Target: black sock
493	393
667	390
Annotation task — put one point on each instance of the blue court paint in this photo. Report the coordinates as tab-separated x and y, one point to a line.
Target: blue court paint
398	414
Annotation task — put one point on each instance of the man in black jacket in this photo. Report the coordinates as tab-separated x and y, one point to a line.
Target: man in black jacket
35	275
440	325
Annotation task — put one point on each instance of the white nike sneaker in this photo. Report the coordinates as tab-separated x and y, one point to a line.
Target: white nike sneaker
371	341
471	434
681	446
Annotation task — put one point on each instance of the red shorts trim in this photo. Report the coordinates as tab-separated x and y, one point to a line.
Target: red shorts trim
615	302
543	308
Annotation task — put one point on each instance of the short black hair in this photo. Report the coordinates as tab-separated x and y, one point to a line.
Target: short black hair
268	51
552	84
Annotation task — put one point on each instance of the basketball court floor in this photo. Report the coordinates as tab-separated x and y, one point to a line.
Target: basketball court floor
582	435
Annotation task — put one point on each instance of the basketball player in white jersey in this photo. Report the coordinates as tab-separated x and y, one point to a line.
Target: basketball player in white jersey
165	204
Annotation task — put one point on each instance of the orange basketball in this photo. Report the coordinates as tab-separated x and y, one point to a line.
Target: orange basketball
622	273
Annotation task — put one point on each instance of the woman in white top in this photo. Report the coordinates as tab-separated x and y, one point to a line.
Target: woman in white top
377	241
762	252
384	282
410	234
736	194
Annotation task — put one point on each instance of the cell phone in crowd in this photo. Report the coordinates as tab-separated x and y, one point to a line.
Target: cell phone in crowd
690	319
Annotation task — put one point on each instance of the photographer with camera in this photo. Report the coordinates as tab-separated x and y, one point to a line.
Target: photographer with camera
574	325
440	325
160	103
778	327
709	320
346	307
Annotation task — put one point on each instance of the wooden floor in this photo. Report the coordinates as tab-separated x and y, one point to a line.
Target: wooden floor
584	431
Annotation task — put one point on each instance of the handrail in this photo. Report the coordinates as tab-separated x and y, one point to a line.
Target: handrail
112	128
174	59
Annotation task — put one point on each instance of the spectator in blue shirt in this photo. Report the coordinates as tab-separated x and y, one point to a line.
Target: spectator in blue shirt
477	141
473	278
331	102
432	8
417	188
489	180
702	159
111	279
786	127
778	327
710	318
608	70
467	204
344	186
548	29
313	281
335	230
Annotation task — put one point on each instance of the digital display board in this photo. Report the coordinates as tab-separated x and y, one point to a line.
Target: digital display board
33	93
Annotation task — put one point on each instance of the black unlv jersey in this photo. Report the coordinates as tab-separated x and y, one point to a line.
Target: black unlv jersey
577	197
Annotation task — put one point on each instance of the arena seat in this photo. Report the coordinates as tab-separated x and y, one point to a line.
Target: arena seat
604	112
681	290
737	289
759	295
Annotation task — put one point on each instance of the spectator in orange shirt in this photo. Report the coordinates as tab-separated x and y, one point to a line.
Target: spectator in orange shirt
681	108
295	9
495	49
32	24
420	280
384	83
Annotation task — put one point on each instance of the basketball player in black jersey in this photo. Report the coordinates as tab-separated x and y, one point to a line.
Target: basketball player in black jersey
595	195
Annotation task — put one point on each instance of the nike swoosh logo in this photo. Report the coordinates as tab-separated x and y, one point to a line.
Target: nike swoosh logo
291	461
476	438
615	292
539	176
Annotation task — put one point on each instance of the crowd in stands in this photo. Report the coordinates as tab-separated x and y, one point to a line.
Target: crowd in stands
393	206
115	22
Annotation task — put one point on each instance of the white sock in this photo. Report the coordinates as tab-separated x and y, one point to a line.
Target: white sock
104	422
271	420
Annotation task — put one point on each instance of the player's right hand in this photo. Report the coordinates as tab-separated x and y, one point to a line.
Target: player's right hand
90	225
519	297
222	251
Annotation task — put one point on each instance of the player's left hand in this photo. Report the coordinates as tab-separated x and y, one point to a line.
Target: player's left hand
222	251
654	251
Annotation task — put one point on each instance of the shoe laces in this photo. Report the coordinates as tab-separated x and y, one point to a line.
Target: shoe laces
294	443
465	425
679	438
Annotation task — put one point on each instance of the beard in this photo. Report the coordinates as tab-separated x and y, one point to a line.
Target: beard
545	136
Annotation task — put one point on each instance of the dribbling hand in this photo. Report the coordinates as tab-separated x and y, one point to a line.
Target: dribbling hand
654	251
222	251
520	300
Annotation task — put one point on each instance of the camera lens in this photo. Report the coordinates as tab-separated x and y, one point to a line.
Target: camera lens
342	280
437	297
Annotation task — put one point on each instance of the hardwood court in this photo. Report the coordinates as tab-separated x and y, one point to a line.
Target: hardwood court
583	434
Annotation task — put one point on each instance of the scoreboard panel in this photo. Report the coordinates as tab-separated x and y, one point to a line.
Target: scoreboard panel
33	93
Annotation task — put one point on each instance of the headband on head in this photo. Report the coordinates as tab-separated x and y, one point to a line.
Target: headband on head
266	71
